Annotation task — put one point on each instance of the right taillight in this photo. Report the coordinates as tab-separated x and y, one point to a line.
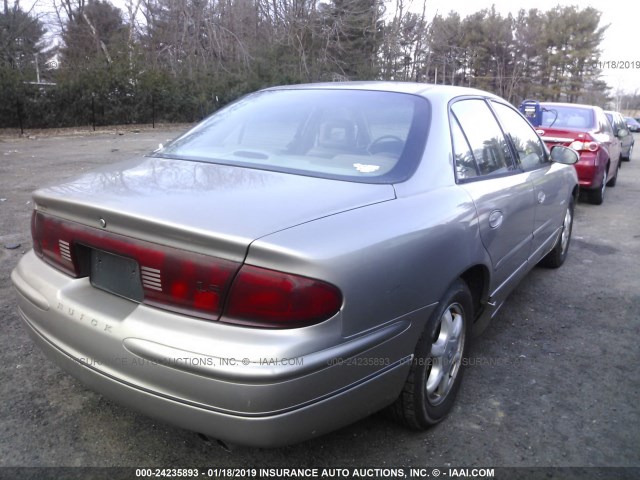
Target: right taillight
581	146
269	298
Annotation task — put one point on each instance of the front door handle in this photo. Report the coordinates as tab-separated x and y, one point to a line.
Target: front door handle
541	196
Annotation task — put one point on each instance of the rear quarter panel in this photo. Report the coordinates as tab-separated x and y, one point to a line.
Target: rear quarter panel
388	259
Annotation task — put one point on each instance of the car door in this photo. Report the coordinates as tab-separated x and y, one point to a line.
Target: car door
550	190
502	193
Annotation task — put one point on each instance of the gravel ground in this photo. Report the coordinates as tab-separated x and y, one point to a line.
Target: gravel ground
552	382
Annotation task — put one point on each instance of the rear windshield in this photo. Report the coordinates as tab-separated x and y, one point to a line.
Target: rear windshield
568	117
366	136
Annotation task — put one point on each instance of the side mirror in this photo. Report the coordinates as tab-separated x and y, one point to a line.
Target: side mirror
566	155
622	132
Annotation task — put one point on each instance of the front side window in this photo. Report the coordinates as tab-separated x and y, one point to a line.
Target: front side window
365	136
528	146
487	142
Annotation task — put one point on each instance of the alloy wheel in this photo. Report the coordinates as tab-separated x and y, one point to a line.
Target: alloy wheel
566	231
446	354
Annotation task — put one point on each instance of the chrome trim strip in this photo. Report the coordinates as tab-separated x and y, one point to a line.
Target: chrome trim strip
557	139
65	251
151	278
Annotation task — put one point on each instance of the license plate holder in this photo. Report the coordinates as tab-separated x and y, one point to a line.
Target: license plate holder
116	274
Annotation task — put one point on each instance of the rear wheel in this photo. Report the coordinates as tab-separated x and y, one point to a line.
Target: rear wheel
436	371
597	196
558	254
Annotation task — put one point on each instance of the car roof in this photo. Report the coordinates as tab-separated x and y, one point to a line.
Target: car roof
422	89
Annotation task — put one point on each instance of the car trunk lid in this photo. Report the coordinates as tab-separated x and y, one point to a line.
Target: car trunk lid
174	235
201	207
559	136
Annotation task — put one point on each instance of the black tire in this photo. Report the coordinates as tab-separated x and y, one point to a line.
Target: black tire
415	407
556	257
612	182
627	158
596	196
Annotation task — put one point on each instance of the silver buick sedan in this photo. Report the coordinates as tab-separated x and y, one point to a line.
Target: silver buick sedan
302	258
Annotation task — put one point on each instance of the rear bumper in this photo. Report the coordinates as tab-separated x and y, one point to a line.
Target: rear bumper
260	431
287	387
588	170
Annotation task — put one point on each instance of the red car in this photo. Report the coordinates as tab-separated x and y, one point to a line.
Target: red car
585	128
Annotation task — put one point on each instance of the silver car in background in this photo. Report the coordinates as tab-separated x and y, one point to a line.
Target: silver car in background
623	132
299	260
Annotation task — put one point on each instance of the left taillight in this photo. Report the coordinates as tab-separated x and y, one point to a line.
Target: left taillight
172	279
52	241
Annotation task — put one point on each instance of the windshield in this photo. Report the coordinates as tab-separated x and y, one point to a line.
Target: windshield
555	116
366	136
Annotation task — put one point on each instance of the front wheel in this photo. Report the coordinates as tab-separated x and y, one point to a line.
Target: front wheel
436	372
556	257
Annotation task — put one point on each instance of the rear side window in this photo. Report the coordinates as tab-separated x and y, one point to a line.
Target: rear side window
465	162
604	125
525	141
616	121
488	145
